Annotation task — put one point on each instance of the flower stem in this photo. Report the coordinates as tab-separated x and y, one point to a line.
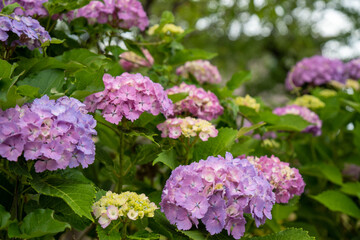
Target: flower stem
121	158
123	231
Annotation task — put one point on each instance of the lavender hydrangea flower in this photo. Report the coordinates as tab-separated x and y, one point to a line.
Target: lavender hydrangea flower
202	70
217	191
286	181
352	69
199	103
28	30
306	114
129	95
30	7
315	71
56	134
118	13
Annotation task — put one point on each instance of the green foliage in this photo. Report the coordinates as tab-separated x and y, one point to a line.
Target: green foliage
72	187
351	188
58	6
8	9
291	233
168	157
238	79
4	217
337	201
38	223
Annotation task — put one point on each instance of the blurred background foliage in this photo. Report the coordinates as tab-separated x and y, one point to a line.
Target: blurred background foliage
266	37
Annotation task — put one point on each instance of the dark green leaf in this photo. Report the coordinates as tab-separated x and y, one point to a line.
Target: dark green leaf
189	55
4	217
291	233
106	234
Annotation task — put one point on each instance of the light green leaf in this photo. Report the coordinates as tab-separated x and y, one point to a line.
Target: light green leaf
36	224
215	146
58	6
6	69
177	97
4	217
9	9
288	122
245	130
351	188
195	235
72	187
238	79
167	17
168	157
337	201
329	172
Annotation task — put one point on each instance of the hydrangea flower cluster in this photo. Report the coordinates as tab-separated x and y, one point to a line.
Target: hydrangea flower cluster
129	95
306	114
188	127
30	7
198	103
57	134
118	13
29	31
309	101
168	28
352	69
248	101
286	181
217	191
202	70
315	71
326	93
130	60
112	207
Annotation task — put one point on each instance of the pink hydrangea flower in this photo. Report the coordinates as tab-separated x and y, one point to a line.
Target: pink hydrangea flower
286	181
306	114
130	60
56	134
202	70
198	103
188	127
217	191
118	13
129	95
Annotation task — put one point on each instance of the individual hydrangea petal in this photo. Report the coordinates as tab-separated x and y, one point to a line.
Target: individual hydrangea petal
188	127
130	60
118	13
49	132
29	7
198	103
217	191
129	95
113	206
29	31
202	70
306	114
286	181
315	71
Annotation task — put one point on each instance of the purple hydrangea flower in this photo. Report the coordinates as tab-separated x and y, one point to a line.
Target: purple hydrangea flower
315	71
217	191
30	7
129	95
306	114
118	13
45	132
352	69
28	30
202	70
199	103
286	181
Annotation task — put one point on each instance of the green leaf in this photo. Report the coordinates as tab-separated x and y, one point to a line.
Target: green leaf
36	224
58	6
288	122
194	234
329	172
167	157
28	91
190	54
105	234
337	201
52	41
6	69
245	130
290	233
143	234
115	50
237	79
9	9
351	188
132	47
167	17
71	186
48	81
215	146
4	217
177	97
88	80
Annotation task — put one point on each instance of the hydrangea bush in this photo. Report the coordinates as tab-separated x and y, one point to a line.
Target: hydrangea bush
111	129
